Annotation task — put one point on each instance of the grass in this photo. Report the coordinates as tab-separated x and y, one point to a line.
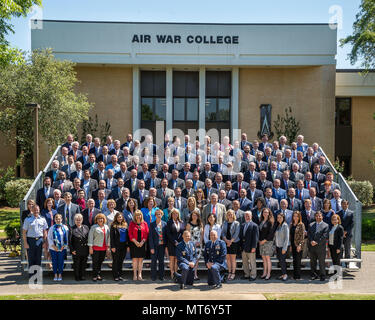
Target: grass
368	213
318	296
7	215
368	246
68	296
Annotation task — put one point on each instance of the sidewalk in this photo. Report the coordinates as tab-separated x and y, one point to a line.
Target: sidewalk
12	282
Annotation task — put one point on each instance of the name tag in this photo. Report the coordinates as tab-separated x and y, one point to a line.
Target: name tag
217	247
184	253
217	252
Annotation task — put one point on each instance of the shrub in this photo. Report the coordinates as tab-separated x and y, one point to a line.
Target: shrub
9	228
15	190
363	190
8	174
368	229
287	125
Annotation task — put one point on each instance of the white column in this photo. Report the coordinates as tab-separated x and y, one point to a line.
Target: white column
202	103
136	100
169	99
234	107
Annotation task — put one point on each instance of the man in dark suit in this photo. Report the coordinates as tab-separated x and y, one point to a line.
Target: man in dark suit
240	184
318	177
96	149
62	184
144	174
176	181
186	254
316	203
271	203
140	194
288	158
84	158
251	174
208	189
91	164
308	214
78	173
122	202
54	172
310	158
132	183
207	172
264	144
116	192
68	210
322	165
75	152
347	223
88	184
105	156
249	237
100	173
68	143
70	167
153	181
285	183
244	141
253	193
90	213
231	194
245	203
224	200
44	193
295	175
317	236
273	173
309	183
303	166
260	165
180	203
294	204
214	253
218	182
262	182
277	192
164	173
101	186
123	173
189	190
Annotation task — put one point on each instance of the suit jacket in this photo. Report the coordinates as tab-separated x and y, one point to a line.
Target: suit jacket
153	238
186	194
173	235
297	204
78	238
319	178
278	175
186	253
304	194
261	166
227	203
240	216
220	213
198	184
245	204
123	175
287	185
78	154
263	185
136	195
249	239
74	175
203	176
62	160
40	196
317	204
273	204
279	194
313	184
67	172
66	186
74	209
160	175
93	185
168	193
105	158
251	176
216	167
320	236
128	184
144	176
179	184
84	160
257	194
294	176
289	162
104	208
121	204
308	220
310	163
236	186
86	216
115	193
215	252
288	215
347	222
232	195
156	181
304	167
54	175
212	190
97	152
338	237
324	169
183	204
281	166
178	166
95	194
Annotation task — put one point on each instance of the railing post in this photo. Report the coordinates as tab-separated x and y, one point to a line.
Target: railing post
358	229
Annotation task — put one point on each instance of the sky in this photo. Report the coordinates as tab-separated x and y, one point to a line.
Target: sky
342	12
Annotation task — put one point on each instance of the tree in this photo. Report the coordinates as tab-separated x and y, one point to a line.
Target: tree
363	37
49	82
287	125
8	10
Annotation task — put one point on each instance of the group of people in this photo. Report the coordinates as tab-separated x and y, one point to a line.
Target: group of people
216	202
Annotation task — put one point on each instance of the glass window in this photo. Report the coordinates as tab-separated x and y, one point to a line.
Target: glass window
147	112
160	109
223	113
179	109
192	109
211	109
343	111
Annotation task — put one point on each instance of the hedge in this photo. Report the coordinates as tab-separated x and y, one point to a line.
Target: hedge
9	228
15	191
363	190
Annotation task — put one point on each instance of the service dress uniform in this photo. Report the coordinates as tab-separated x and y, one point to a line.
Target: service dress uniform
215	252
186	253
78	238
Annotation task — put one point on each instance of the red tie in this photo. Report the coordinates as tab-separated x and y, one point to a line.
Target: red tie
214	210
308	185
90	218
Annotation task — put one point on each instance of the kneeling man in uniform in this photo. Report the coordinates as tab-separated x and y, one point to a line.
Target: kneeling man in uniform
186	254
215	253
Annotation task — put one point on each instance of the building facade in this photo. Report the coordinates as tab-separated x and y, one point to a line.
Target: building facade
217	76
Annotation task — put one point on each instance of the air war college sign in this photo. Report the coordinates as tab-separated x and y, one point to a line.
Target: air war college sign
196	39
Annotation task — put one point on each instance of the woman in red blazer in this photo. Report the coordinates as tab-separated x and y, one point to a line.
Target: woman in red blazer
138	235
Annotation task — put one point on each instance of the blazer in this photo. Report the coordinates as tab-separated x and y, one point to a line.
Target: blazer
212	190
86	216
240	216
144	176
248	176
294	176
307	221
234	230
263	185
186	253
260	166
279	194
167	176
296	206
245	204
115	193
115	237
313	184
104	208
74	209
198	184
106	159
236	186
96	236
66	170
136	195
203	176
316	204
47	216
347	222
278	175
273	204
154	235
54	175
299	235
97	177
186	194
67	185
94	193
123	175
282	236
40	196
179	184
319	178
227	203
121	204
267	231
173	235
249	239
338	238
133	231
93	185
78	238
220	213
216	252
320	237
128	184
232	195
157	182
286	184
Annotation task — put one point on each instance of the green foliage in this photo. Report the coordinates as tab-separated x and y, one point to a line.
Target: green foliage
51	84
11	227
339	166
8	174
15	191
368	229
93	127
363	190
12	9
287	125
363	37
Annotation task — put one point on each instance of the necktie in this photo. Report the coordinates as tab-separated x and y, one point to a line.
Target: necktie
292	203
164	193
300	194
141	196
313	204
67	214
337	205
239	187
214	210
195	185
241	201
46	192
75	156
152	183
90	217
101	205
133	185
62	186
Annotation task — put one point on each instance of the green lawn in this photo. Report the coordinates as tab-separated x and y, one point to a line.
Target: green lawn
68	296
368	213
7	215
368	246
318	296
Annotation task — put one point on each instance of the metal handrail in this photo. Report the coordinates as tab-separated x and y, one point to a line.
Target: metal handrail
53	157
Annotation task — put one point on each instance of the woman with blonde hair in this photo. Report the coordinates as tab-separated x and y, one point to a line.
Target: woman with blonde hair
175	229
200	200
266	235
230	234
98	242
138	235
119	242
191	206
111	213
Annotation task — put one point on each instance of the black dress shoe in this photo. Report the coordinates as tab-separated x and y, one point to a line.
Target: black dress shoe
182	286
153	279
161	279
244	278
322	278
252	279
314	277
218	286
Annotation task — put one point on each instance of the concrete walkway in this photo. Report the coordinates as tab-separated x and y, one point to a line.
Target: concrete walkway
13	282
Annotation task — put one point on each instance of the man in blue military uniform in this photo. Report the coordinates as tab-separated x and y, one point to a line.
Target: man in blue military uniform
186	258
215	259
